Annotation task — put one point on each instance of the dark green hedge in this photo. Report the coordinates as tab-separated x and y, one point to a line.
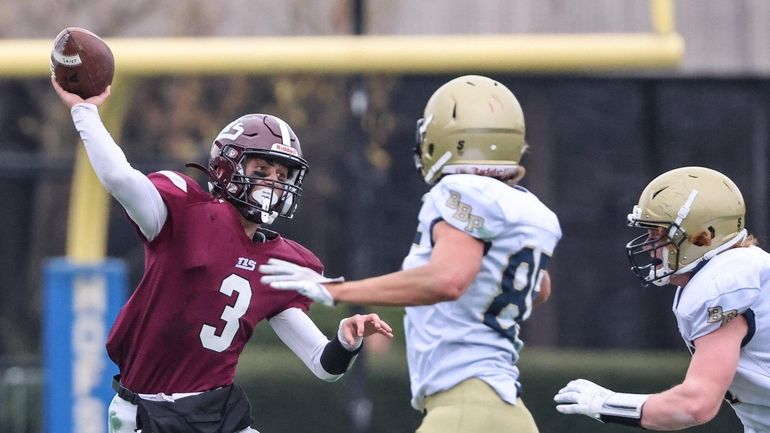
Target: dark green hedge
288	399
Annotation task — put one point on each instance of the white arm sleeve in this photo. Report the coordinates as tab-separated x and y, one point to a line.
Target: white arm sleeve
303	337
131	188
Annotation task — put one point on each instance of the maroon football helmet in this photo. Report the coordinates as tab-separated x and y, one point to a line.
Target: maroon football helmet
263	136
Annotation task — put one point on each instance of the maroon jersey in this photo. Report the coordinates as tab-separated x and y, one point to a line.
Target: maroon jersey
185	325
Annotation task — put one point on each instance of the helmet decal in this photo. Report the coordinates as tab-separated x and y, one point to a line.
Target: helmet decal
284	148
231	131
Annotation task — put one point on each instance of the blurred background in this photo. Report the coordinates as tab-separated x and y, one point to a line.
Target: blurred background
597	136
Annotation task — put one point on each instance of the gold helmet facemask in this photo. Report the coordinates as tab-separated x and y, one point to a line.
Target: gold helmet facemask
690	214
474	125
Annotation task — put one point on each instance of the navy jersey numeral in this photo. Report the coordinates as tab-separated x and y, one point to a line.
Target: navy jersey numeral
515	300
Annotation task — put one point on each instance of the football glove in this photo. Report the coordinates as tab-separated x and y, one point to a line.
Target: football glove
587	398
283	275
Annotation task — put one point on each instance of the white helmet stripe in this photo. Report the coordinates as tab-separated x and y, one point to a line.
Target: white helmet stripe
285	134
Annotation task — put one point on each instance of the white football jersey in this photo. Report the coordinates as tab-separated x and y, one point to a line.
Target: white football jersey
477	335
734	282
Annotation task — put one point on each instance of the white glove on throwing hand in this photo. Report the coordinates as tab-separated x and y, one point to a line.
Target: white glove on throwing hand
283	275
587	398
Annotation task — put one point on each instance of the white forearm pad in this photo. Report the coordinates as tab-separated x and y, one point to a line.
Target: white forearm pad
623	408
341	336
303	337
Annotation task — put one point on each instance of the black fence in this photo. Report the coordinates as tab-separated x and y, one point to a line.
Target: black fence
595	143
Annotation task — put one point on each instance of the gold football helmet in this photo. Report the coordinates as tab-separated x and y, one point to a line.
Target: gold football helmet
472	124
691	214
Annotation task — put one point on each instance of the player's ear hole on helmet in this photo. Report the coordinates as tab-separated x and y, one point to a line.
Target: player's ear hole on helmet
703	239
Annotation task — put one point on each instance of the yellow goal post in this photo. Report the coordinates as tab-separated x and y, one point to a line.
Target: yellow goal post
662	48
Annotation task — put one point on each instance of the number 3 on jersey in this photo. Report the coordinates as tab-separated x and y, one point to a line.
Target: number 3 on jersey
230	315
514	303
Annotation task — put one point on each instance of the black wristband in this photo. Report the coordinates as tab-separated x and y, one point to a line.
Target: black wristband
633	422
335	359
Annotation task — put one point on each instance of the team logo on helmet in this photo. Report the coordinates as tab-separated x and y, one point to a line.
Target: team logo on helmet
285	149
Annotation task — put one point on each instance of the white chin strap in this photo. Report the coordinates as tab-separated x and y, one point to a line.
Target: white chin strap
436	168
710	255
266	200
706	257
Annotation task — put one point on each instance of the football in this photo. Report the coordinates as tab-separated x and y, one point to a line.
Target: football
81	62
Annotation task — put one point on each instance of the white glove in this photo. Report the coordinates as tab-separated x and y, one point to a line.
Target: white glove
587	398
283	275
